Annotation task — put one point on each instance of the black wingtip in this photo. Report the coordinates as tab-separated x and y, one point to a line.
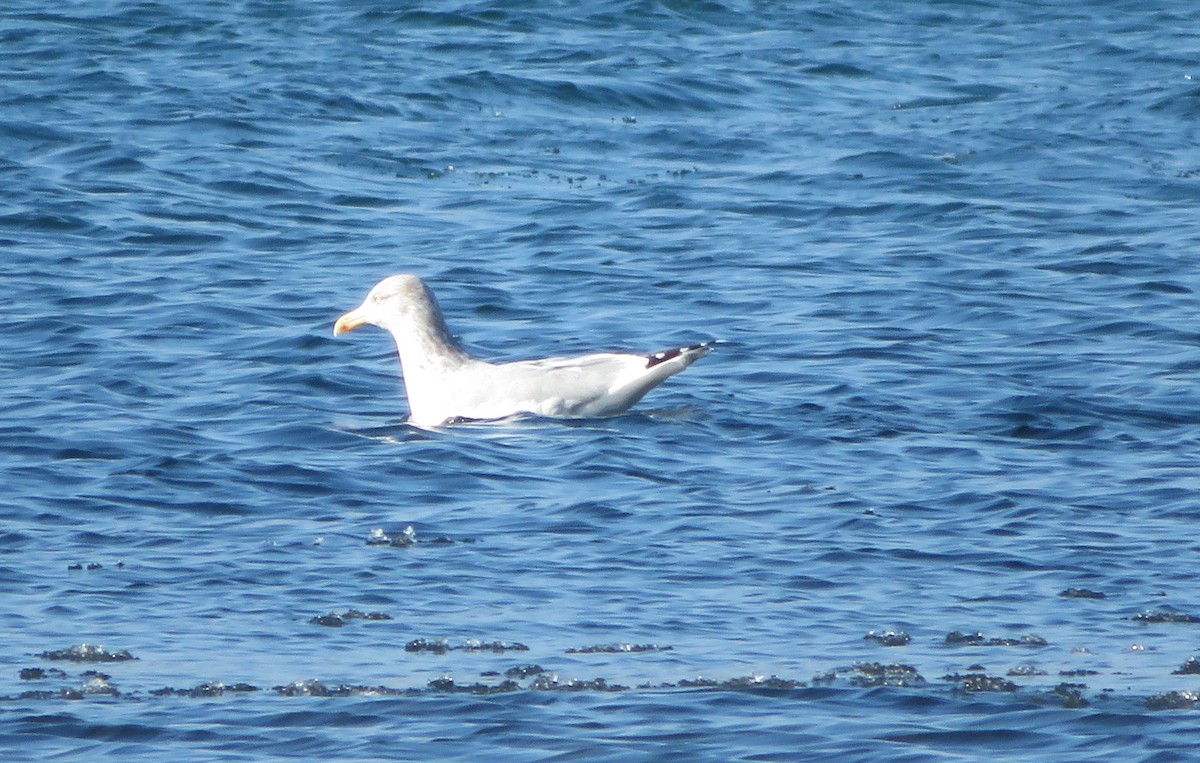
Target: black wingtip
700	348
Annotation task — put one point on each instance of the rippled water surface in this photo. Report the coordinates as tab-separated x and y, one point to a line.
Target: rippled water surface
935	494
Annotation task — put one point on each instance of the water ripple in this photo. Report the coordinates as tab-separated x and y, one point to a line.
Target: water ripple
949	252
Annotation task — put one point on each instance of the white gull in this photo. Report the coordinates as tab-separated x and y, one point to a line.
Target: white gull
445	384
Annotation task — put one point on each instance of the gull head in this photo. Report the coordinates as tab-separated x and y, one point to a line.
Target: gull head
393	299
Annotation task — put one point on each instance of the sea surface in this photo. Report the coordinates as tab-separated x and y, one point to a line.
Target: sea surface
934	497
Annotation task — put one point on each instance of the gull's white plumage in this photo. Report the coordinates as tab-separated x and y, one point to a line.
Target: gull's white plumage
444	383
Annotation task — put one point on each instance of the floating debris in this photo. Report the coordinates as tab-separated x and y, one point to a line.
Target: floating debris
441	646
744	683
408	538
477	645
98	683
1165	617
530	677
1172	700
1072	695
761	682
888	638
618	648
550	682
310	688
37	674
446	684
872	674
1081	593
87	653
72	694
210	689
980	682
535	678
955	638
315	688
336	620
403	539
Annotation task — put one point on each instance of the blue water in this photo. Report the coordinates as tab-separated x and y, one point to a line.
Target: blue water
952	251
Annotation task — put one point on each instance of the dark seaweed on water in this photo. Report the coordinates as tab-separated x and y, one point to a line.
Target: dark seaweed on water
1081	593
1165	617
441	646
621	648
888	638
338	619
87	653
955	638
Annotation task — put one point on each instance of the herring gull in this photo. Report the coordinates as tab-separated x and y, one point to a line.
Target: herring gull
444	384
